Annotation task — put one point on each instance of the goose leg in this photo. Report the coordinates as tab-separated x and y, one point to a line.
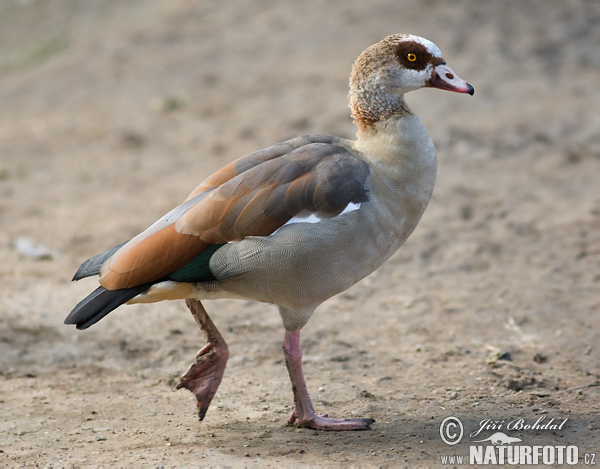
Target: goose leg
204	375
304	413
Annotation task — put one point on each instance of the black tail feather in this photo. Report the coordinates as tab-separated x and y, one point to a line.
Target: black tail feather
99	303
92	265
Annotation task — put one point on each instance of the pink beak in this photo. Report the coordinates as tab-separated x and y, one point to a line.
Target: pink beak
445	79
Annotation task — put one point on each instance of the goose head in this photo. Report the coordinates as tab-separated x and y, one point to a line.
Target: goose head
400	63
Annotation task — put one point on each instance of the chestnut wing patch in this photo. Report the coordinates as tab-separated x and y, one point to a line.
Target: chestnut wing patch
247	162
319	178
253	196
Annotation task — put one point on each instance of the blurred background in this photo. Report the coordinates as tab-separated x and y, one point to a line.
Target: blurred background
111	112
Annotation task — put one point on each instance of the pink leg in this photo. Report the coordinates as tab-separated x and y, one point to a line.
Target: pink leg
304	413
205	374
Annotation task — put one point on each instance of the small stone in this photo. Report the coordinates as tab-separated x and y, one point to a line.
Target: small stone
539	358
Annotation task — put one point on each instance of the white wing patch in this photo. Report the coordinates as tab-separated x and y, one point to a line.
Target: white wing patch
314	218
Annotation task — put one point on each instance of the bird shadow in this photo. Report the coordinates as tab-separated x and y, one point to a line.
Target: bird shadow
396	440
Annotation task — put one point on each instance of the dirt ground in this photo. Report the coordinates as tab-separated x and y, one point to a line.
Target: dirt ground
111	112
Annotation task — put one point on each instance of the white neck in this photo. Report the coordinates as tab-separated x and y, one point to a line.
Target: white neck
403	156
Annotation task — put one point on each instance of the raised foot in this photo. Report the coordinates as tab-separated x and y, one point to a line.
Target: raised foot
319	422
204	375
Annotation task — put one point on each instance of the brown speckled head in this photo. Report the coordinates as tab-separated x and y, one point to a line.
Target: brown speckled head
386	70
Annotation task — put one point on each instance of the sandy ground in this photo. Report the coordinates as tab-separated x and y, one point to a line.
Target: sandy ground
111	112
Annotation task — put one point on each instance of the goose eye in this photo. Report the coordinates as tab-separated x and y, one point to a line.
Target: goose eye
411	57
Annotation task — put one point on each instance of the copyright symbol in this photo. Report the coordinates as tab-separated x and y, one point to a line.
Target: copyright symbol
451	431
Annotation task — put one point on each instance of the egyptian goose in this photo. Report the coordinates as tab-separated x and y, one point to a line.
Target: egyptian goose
293	224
